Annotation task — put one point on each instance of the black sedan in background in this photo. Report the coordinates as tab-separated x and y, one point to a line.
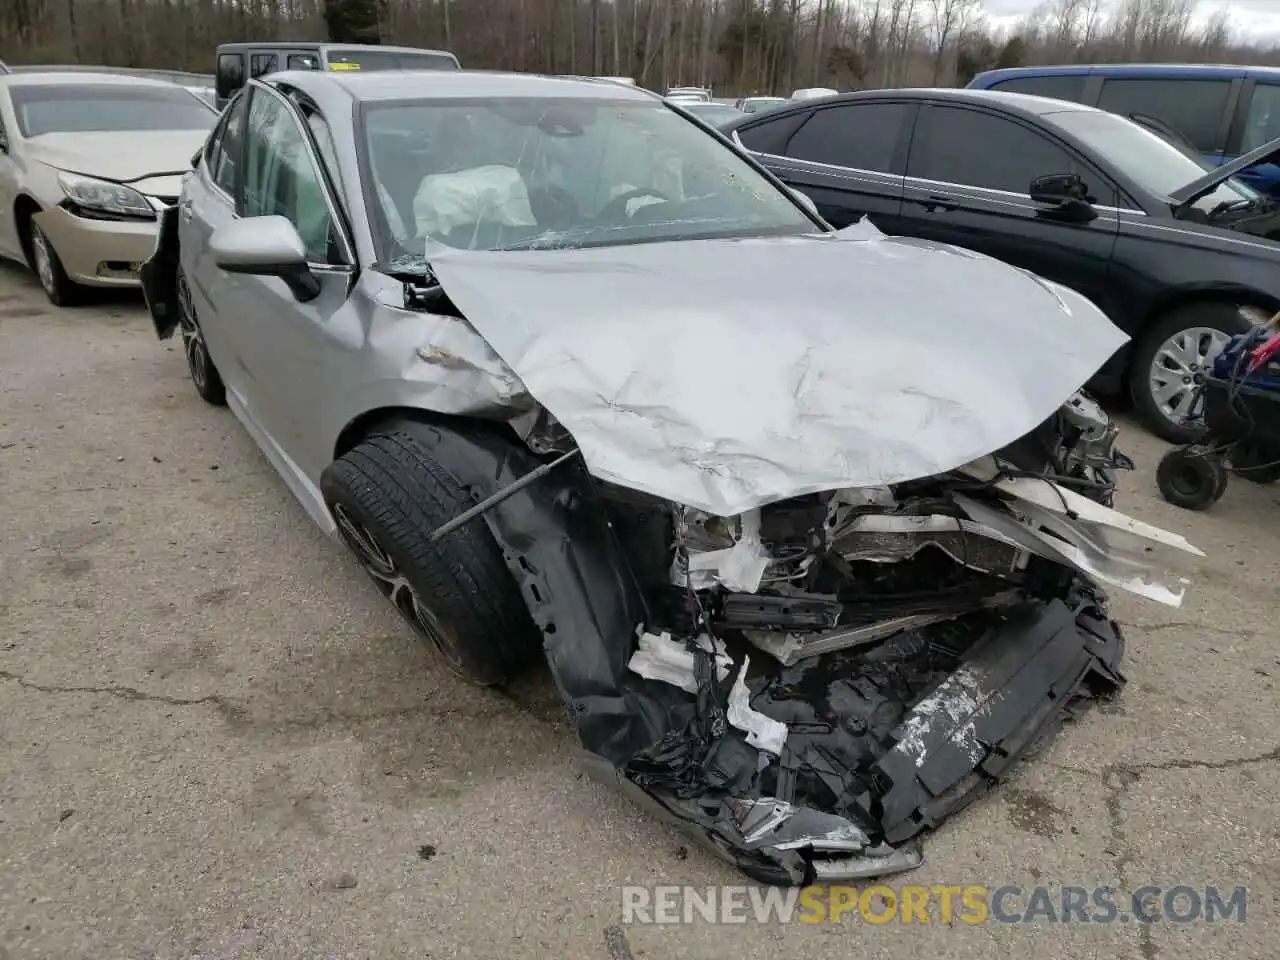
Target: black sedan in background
1169	249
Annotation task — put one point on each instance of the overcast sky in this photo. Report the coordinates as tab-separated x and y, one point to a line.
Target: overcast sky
1251	18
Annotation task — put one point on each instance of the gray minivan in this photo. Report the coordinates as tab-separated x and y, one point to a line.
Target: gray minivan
238	62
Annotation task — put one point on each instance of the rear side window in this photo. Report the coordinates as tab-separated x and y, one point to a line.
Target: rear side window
260	64
1060	88
230	74
1194	108
303	61
227	147
861	135
977	149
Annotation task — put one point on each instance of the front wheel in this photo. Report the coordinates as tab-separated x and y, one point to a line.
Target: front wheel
1170	359
61	290
386	497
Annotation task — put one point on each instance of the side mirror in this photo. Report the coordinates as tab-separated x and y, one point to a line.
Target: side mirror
1066	197
805	201
265	247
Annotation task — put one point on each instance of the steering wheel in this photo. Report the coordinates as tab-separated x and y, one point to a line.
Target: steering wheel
616	209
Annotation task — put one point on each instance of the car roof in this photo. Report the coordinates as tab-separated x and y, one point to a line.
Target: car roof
458	85
1154	71
1023	103
327	45
68	78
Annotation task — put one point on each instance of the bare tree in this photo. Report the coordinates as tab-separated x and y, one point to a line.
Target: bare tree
948	22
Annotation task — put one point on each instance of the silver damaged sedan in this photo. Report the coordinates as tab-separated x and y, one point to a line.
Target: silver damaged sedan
812	527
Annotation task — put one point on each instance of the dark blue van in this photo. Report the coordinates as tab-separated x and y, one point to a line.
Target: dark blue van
1221	111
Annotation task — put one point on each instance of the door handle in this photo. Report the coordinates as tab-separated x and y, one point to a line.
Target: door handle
935	202
184	209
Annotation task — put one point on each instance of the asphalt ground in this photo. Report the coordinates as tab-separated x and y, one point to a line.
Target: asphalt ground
218	741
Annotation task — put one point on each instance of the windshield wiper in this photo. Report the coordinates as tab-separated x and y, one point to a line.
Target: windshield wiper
1259	204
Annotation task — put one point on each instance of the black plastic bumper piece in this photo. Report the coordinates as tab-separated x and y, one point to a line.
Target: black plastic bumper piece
1015	687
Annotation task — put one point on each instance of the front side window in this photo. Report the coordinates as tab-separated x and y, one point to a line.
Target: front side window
863	136
1194	108
952	145
107	108
226	149
1145	157
1262	125
260	64
1056	87
230	74
280	176
503	174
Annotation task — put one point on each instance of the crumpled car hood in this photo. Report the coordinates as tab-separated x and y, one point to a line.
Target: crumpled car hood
727	374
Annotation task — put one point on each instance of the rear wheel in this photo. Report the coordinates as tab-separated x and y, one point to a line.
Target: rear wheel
1169	360
204	375
387	496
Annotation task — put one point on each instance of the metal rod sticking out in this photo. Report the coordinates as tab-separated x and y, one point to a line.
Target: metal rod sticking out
533	476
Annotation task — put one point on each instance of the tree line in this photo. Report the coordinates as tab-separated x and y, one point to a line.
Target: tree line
734	46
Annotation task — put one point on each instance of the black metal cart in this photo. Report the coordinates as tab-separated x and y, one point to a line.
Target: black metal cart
1242	436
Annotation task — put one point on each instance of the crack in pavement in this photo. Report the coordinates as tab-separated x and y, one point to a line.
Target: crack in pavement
238	715
123	693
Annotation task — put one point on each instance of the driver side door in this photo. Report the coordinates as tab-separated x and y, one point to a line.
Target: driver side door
969	173
288	346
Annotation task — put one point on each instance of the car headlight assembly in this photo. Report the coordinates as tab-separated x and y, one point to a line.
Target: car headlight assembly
104	200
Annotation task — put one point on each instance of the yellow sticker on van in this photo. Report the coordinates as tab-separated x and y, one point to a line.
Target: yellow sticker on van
344	66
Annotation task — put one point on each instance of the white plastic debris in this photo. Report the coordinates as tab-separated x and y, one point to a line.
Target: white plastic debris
763	733
659	657
739	568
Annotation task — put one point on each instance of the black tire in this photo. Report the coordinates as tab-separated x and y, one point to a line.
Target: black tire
1212	315
61	290
1256	462
204	374
1191	477
388	494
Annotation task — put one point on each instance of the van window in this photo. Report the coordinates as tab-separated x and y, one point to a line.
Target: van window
260	64
1060	88
1263	121
303	61
230	74
1192	107
387	60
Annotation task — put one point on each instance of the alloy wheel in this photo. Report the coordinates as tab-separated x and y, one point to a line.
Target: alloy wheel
382	568
192	338
1179	365
43	258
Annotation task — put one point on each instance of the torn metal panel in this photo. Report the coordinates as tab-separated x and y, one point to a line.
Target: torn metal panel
834	397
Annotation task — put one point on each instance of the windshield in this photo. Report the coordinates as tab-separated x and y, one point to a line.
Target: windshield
712	113
107	108
1146	157
506	174
388	60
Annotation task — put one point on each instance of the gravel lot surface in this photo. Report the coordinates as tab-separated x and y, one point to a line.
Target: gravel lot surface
217	740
